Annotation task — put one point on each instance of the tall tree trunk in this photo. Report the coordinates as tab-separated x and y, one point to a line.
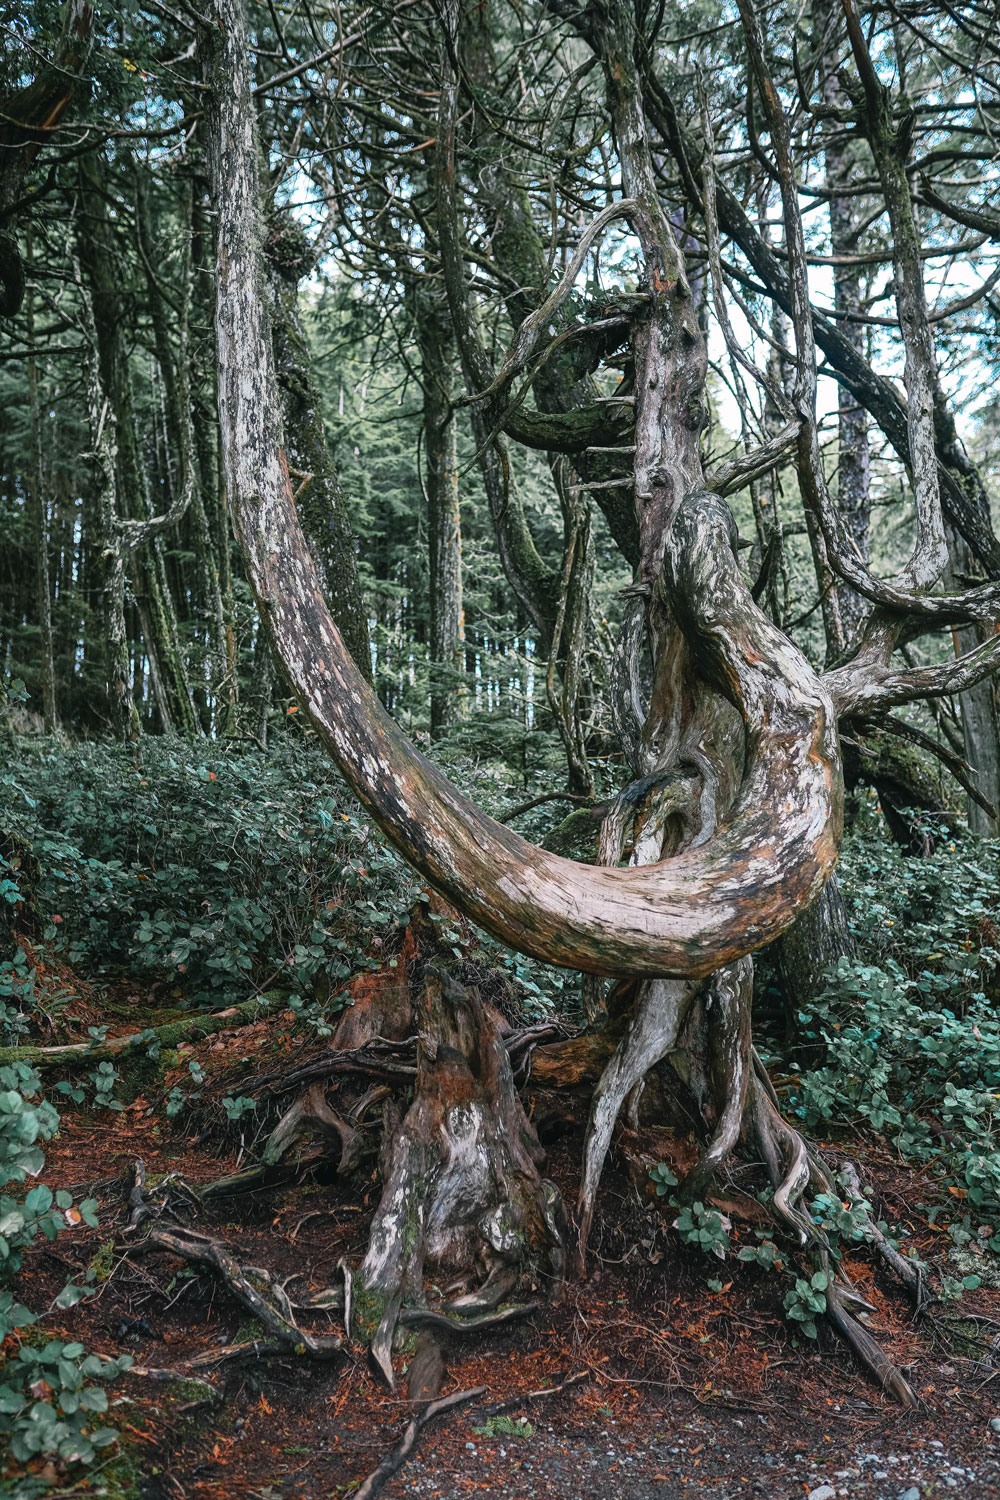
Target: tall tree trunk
853	455
319	498
96	248
104	537
40	535
444	521
202	385
174	367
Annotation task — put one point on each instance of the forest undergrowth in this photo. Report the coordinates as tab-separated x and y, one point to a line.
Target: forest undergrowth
192	922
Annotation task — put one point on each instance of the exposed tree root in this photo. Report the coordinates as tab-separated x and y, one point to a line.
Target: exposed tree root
442	1322
728	1006
792	1167
380	1060
371	1486
908	1271
462	1181
652	1030
255	1288
461	1168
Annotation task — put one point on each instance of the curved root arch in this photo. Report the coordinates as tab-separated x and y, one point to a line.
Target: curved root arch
681	917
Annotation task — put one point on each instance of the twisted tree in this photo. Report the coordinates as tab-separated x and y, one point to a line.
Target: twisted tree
732	825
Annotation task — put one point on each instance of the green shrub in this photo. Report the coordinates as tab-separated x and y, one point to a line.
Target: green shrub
217	870
49	1404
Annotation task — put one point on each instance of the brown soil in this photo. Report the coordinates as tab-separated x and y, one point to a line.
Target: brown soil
687	1391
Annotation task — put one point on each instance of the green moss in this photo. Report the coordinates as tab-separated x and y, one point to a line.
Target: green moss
576	836
367	1310
249	1331
103	1262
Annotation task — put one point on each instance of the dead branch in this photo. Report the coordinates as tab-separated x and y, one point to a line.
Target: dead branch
254	1288
392	1465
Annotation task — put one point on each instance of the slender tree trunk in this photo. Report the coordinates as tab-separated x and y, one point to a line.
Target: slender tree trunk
202	385
980	708
105	541
181	433
40	536
853	455
319	498
261	687
95	241
444	522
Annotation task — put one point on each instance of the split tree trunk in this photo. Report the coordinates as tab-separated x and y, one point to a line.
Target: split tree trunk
735	827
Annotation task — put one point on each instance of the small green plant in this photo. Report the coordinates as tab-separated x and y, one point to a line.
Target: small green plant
177	1099
704	1227
765	1253
662	1178
806	1301
104	1077
49	1404
238	1107
502	1426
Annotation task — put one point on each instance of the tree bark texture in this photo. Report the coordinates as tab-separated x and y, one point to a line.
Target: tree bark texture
853	456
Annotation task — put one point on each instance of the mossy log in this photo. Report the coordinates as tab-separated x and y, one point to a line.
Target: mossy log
170	1034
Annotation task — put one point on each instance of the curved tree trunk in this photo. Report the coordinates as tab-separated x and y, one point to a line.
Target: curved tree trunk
734	826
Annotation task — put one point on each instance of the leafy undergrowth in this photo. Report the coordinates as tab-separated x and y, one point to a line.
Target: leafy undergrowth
180	886
202	875
695	1380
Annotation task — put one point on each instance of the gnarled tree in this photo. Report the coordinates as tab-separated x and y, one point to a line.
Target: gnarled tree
733	823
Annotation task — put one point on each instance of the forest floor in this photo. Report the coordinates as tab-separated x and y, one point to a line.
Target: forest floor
672	1389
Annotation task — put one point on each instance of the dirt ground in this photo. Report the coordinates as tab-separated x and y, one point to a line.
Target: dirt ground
672	1389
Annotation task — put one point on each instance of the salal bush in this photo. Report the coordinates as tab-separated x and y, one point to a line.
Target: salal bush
217	872
937	916
924	1076
906	1035
220	870
52	1392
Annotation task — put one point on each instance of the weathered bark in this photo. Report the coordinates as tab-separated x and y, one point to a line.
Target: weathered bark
853	456
463	1190
683	916
739	830
811	946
